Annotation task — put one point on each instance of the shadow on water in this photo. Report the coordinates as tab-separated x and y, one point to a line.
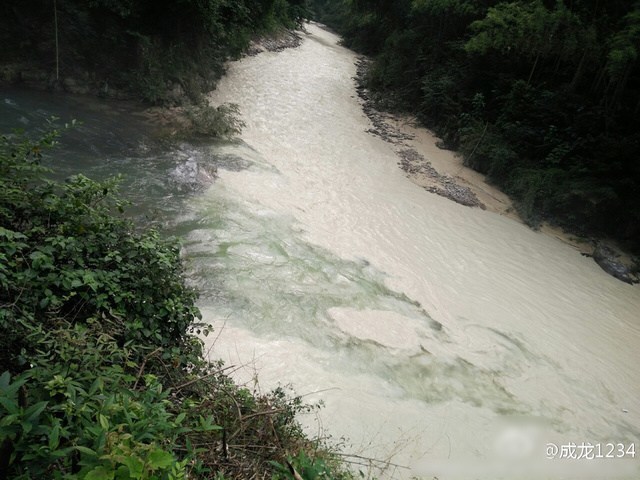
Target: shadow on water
104	128
116	138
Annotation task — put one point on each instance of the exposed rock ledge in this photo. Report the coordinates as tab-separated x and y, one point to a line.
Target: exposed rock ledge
614	263
411	161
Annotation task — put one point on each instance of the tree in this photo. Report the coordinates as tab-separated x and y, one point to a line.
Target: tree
528	30
622	55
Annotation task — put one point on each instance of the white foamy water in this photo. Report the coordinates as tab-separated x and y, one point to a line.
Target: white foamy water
427	328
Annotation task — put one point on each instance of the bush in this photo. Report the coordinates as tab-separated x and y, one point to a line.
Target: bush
67	252
217	122
79	410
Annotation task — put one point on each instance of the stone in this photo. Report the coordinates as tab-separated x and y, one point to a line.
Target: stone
606	258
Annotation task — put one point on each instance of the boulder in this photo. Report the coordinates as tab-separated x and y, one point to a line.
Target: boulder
191	176
607	259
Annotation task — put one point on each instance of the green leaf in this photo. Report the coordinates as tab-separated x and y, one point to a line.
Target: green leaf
86	451
44	302
11	406
34	411
122	473
61	453
207	425
98	384
135	466
13	388
9	419
26	428
5	380
160	459
104	421
100	473
181	416
54	437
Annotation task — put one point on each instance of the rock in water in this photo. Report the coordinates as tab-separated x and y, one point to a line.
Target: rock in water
606	258
192	176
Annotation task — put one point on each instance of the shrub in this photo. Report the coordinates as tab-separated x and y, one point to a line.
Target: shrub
67	252
217	122
78	410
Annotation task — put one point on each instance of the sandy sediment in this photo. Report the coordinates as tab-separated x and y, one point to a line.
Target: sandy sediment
410	148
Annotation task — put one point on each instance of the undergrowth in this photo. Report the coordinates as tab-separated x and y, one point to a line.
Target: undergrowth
101	370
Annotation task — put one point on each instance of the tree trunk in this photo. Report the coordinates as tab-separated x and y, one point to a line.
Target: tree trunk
533	68
55	24
578	73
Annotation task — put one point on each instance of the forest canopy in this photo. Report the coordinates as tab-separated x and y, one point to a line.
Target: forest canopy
543	96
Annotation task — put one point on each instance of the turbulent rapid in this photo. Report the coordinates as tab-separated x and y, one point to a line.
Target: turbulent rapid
445	340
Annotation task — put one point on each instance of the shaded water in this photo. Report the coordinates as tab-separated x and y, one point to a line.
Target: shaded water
107	139
431	331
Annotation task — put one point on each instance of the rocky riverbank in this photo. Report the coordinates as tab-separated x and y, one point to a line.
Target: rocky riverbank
418	168
442	172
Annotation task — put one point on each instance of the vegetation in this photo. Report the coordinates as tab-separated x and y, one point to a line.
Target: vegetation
543	96
218	122
159	50
101	372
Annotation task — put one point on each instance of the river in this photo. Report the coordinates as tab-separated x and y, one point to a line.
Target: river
450	341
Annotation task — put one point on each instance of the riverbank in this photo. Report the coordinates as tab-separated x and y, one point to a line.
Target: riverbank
430	164
554	134
441	171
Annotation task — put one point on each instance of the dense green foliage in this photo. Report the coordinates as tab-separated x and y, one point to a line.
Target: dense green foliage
149	46
64	255
543	96
101	373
